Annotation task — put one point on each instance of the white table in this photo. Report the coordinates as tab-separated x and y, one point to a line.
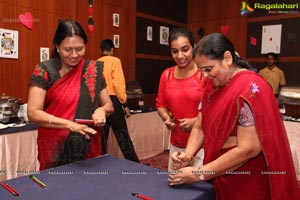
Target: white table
18	155
148	133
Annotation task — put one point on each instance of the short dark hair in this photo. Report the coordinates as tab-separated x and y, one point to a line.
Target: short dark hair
106	45
274	55
67	28
181	32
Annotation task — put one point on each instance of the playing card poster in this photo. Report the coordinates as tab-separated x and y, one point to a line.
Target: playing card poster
271	38
9	43
44	54
164	35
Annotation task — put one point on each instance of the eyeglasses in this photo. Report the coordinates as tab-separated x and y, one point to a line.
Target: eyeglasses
206	69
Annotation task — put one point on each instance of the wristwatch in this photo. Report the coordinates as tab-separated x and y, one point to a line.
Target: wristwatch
201	177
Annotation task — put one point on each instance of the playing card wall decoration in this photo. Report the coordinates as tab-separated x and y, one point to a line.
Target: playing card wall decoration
116	19
271	38
9	43
116	41
149	33
164	35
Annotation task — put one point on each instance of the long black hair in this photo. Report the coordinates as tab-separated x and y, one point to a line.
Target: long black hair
214	46
67	28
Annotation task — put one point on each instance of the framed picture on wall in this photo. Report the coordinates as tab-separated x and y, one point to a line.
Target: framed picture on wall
116	41
44	54
164	35
9	43
149	33
116	19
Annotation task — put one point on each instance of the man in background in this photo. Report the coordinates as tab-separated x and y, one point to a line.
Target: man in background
272	74
116	88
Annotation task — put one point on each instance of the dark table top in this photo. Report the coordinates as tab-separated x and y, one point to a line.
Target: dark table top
105	177
33	126
27	127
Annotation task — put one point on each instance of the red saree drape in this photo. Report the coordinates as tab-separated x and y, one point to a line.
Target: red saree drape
271	173
62	101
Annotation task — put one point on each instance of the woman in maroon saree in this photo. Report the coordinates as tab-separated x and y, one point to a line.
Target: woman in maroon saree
64	89
247	154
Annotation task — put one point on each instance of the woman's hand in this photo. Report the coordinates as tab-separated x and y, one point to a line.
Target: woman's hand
186	124
170	125
82	129
184	175
180	159
99	117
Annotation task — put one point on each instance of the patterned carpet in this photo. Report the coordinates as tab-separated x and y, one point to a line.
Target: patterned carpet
159	161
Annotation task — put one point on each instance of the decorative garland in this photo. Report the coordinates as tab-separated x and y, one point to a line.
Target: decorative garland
90	13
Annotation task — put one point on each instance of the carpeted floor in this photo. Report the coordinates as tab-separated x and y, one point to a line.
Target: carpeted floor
159	161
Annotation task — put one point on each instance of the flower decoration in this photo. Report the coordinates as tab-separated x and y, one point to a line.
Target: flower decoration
253	89
39	71
90	13
90	79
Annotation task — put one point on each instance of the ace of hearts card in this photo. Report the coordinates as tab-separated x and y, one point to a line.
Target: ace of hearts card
271	39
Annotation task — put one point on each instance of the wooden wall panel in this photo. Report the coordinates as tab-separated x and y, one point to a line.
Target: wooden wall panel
175	10
212	15
152	57
15	73
103	12
236	32
213	10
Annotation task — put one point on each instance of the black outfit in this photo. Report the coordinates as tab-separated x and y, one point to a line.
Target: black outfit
118	123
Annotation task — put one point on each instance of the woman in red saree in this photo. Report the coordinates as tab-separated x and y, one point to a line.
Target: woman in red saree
64	89
247	154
